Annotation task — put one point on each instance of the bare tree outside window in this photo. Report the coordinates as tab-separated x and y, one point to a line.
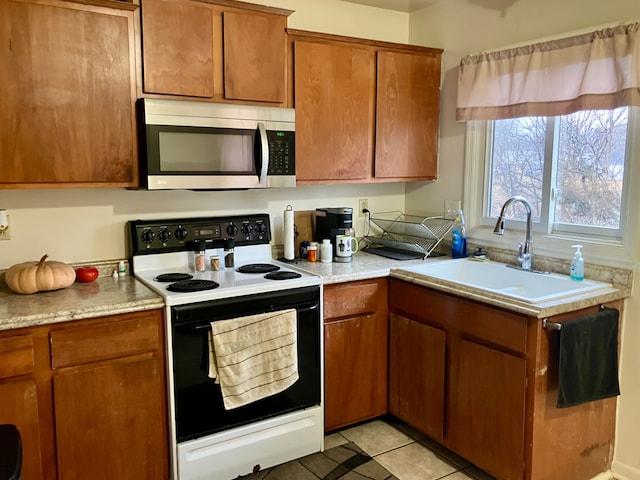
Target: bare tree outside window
591	167
585	159
518	163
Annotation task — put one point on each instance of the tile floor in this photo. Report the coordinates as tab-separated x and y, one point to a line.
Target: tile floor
376	450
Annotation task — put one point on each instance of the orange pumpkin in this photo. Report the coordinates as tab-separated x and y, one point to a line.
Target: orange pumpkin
42	276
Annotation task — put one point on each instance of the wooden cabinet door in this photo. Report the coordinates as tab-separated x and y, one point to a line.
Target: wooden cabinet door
254	56
355	370
110	422
68	94
417	374
486	415
19	407
334	96
177	48
407	116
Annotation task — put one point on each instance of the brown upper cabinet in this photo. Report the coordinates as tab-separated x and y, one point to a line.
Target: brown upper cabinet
214	51
67	107
407	115
366	111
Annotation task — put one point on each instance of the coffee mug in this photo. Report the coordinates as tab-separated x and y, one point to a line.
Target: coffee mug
346	246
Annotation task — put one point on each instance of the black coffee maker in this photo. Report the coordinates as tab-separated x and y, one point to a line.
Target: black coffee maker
333	221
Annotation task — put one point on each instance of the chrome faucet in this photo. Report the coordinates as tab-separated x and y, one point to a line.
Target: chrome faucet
525	253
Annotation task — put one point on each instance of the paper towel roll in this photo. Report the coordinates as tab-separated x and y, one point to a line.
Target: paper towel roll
289	234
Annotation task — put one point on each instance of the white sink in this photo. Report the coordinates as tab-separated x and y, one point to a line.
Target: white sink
498	278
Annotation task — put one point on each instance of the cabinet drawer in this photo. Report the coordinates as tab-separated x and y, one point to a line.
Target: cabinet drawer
472	319
353	298
16	356
118	338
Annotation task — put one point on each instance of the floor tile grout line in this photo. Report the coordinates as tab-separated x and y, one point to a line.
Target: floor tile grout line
393	449
303	466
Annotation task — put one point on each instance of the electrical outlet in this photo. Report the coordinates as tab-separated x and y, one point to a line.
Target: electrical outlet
5	234
363	204
451	208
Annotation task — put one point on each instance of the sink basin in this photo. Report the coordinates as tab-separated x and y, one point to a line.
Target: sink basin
498	278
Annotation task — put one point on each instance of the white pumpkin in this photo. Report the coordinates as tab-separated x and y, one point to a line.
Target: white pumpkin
42	276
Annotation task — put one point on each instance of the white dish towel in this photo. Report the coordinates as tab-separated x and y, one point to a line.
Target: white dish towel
254	357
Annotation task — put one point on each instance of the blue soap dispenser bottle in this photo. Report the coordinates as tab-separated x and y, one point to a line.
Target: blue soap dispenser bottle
459	237
577	264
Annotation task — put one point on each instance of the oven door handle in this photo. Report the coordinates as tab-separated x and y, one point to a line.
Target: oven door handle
207	326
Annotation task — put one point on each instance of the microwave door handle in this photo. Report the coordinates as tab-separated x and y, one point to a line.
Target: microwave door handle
264	152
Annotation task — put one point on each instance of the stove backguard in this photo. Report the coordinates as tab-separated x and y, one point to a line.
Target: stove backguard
177	235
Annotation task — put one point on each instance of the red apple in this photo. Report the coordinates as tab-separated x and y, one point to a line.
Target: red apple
86	274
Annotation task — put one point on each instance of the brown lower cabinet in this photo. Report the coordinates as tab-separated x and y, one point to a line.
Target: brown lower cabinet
416	357
482	381
88	397
355	343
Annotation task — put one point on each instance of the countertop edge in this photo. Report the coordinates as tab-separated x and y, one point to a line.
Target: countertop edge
70	315
332	279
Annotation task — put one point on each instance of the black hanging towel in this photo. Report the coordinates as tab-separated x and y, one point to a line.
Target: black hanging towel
588	358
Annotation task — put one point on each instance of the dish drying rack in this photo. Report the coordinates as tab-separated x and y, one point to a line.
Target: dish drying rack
409	232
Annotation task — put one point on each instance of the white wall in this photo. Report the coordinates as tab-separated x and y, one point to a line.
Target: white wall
344	18
89	224
86	225
464	27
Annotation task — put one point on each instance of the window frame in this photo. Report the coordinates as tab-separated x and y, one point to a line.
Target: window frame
620	250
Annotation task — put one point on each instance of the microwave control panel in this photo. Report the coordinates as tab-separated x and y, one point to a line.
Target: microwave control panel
282	149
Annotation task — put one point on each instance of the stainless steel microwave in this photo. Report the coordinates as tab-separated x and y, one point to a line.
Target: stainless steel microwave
213	146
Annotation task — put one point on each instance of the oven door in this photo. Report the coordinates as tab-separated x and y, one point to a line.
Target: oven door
198	399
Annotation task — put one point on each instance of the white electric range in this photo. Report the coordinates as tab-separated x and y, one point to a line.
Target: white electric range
208	441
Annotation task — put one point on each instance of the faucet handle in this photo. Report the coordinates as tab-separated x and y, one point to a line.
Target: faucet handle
524	257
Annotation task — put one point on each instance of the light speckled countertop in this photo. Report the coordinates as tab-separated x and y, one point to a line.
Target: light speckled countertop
104	296
107	296
362	267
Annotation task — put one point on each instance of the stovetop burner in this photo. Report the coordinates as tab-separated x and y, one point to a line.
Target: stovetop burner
258	268
173	277
282	275
193	285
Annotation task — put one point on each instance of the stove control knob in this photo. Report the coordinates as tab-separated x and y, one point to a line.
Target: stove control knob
232	229
164	235
246	229
261	228
147	236
181	233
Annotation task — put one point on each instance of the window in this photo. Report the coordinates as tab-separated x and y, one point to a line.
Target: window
570	168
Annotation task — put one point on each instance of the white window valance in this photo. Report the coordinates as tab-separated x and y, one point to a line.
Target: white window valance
598	70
